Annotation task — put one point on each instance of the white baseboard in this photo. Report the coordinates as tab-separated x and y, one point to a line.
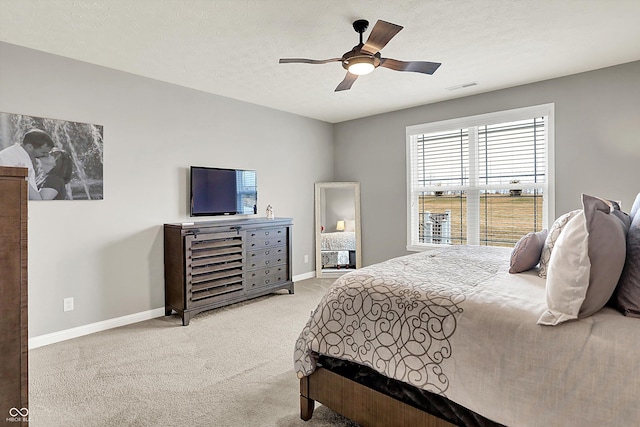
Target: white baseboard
79	331
303	276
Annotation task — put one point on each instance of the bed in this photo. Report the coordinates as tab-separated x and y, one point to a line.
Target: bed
449	337
337	249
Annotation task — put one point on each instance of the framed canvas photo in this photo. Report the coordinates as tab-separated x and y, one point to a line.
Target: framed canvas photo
64	158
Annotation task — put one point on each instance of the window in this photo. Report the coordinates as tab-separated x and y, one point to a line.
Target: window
481	180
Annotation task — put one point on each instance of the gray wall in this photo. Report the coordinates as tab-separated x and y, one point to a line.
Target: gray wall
597	147
340	205
107	254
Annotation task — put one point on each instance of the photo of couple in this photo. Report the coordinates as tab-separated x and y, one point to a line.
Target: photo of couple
64	159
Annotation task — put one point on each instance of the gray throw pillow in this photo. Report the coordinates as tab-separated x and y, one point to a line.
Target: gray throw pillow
526	253
607	252
627	297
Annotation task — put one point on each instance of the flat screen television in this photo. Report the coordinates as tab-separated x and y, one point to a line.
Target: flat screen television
218	191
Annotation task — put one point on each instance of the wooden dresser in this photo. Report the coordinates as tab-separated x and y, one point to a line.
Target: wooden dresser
216	263
14	337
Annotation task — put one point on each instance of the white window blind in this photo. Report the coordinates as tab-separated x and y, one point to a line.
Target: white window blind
245	191
481	180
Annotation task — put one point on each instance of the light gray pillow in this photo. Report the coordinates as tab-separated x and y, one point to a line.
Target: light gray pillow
552	237
627	297
586	264
635	208
526	252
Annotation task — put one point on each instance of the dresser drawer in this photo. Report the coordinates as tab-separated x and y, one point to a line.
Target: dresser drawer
267	233
266	238
266	258
258	279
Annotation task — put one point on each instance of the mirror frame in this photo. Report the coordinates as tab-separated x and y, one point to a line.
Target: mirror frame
319	186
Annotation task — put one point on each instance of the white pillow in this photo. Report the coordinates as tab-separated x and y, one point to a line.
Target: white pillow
568	273
552	237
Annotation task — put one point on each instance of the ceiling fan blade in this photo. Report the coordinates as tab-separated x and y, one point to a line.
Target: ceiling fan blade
415	66
307	61
381	34
347	82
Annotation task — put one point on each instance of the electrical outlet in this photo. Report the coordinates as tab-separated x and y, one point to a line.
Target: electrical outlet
68	304
306	259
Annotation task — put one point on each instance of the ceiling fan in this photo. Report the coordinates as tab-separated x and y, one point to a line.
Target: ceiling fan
365	57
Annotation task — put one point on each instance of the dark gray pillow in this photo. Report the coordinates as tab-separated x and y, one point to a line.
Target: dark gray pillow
627	297
625	218
526	253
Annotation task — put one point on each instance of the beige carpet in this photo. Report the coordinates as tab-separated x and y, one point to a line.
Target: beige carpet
230	367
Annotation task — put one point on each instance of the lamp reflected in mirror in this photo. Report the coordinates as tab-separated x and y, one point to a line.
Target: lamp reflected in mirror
340	226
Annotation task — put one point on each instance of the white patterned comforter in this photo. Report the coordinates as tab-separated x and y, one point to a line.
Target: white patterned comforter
338	241
454	322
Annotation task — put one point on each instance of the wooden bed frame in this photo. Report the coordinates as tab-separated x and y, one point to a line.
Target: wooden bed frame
359	403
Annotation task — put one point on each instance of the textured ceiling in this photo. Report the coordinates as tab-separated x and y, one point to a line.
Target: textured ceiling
231	48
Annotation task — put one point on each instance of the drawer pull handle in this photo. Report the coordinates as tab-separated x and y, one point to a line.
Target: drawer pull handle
266	262
266	243
266	272
266	252
266	282
266	233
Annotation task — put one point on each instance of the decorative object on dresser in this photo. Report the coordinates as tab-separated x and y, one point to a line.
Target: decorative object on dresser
14	392
217	263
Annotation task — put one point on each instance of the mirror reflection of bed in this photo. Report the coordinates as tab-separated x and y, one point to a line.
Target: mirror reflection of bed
338	248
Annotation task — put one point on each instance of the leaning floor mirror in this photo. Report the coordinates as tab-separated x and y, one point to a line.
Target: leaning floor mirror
338	240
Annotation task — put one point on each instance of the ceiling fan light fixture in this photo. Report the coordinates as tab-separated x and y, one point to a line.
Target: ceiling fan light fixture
361	65
365	56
